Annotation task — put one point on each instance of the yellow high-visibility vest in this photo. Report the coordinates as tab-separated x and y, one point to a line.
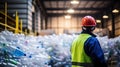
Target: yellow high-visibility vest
79	57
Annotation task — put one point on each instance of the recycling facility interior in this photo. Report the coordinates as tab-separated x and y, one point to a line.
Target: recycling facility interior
47	17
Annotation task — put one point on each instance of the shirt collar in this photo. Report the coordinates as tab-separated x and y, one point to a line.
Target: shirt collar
88	32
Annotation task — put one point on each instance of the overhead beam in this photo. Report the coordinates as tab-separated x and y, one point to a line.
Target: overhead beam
77	0
76	9
74	14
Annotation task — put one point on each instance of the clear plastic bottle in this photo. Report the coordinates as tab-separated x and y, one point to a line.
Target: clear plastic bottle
13	50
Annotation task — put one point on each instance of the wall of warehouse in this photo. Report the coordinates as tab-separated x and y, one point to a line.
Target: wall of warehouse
28	11
62	25
117	25
24	9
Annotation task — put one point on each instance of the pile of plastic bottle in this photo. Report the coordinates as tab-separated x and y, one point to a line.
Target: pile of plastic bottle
111	49
19	50
34	51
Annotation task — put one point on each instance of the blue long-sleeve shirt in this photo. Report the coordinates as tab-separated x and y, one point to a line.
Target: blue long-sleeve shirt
93	49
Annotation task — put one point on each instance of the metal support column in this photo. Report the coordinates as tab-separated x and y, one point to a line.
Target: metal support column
41	21
102	23
113	25
17	22
46	25
21	25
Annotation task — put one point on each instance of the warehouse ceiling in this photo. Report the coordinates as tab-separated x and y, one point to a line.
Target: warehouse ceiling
84	7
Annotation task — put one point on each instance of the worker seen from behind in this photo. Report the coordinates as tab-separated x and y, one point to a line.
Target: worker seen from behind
86	50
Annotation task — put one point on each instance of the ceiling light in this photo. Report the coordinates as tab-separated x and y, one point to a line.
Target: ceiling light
105	16
67	17
74	2
70	11
115	11
98	21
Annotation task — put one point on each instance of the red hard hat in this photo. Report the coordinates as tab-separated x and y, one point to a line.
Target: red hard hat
88	21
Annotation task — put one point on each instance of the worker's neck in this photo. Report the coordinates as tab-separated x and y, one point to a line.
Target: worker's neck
88	32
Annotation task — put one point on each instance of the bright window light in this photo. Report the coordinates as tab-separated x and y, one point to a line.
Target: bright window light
67	17
74	2
105	16
70	11
98	21
115	11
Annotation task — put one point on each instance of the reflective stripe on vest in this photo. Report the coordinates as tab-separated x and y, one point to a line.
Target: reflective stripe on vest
77	64
77	50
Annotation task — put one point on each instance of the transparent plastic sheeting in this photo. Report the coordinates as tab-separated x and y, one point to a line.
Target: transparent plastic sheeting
38	51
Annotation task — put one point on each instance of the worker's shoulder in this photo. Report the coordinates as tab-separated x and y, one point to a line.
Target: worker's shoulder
92	39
